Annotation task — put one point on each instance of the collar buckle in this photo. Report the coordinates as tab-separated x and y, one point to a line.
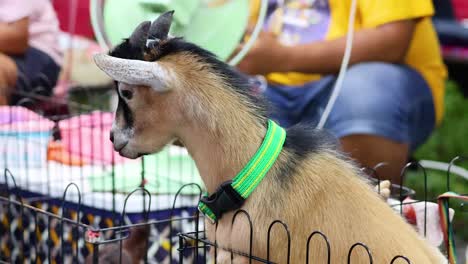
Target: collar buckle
223	200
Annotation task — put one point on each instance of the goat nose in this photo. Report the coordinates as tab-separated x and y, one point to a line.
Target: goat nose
111	137
119	145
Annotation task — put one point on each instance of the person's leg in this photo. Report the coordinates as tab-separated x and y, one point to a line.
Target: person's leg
383	112
370	150
37	74
8	76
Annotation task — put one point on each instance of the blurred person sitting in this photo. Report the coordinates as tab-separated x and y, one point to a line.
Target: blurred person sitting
392	95
29	48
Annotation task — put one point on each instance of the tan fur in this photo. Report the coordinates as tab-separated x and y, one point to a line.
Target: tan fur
330	199
325	194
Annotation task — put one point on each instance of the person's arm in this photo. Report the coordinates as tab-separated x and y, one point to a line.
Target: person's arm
386	43
14	36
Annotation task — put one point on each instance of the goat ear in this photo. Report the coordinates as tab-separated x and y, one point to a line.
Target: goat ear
159	29
140	35
136	72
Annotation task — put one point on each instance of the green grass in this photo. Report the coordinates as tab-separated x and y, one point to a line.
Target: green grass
450	139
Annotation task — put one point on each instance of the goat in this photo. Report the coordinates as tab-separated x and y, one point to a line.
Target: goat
170	89
133	248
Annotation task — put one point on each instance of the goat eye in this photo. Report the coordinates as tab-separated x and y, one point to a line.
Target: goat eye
126	94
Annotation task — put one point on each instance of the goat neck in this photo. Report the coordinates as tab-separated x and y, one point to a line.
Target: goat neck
222	151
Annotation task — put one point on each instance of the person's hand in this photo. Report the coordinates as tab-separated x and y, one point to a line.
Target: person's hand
266	56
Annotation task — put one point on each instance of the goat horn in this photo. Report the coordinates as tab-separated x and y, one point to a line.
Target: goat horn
135	72
160	27
140	34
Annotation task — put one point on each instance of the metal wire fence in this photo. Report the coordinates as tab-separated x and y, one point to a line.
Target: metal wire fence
84	205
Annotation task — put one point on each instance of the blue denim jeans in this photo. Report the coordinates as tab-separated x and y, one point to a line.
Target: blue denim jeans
388	100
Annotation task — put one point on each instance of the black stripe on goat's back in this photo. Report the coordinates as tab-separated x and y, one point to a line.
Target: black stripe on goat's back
234	78
301	141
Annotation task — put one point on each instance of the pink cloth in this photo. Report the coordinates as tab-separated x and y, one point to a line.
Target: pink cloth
24	137
43	23
460	7
87	136
17	119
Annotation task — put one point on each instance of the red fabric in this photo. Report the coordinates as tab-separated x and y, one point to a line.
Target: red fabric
460	8
408	211
80	24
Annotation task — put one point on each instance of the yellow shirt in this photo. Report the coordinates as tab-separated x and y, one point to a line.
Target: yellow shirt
424	51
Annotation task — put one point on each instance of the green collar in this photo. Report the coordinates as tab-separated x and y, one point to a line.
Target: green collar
232	194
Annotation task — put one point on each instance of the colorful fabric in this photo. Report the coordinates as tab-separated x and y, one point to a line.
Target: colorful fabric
306	21
443	201
24	136
18	119
36	238
164	173
426	218
87	136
